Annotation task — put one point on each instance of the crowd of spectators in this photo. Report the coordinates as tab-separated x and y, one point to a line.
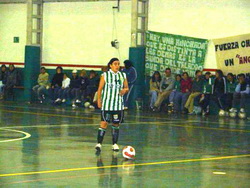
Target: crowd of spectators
188	96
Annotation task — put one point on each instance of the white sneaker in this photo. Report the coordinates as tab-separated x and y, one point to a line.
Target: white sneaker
125	108
73	105
222	112
58	100
232	110
242	110
78	101
115	147
98	147
91	107
64	100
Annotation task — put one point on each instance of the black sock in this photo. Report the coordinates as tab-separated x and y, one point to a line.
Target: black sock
115	134
100	136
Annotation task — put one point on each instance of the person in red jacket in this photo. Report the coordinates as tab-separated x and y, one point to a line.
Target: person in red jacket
181	98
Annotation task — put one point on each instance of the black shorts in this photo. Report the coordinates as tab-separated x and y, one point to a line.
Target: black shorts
116	117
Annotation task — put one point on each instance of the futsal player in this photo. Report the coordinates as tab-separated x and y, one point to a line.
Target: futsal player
113	85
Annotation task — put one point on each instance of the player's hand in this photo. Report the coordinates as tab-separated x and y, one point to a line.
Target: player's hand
123	92
99	103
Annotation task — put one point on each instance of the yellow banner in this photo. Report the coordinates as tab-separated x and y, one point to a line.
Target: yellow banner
233	54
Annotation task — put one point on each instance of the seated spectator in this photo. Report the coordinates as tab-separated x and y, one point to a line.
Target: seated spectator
56	83
42	84
93	85
75	85
195	91
180	98
241	92
231	86
207	90
93	104
166	87
84	81
154	88
176	90
64	90
3	79
131	77
13	79
219	92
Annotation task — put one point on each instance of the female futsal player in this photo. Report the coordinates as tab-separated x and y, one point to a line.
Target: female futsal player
113	85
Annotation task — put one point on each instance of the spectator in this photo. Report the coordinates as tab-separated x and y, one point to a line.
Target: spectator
93	85
13	79
166	87
75	86
180	98
64	90
206	93
84	82
176	90
131	77
231	86
241	92
219	92
3	79
42	84
195	91
154	87
56	83
93	105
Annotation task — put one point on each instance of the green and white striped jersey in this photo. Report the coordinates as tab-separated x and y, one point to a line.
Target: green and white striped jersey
111	99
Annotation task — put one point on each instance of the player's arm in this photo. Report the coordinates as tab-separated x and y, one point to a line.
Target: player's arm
99	92
125	88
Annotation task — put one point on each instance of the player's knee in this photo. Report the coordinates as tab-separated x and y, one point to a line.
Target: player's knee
104	125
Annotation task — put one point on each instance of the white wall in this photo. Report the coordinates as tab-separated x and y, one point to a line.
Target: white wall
80	33
207	19
12	24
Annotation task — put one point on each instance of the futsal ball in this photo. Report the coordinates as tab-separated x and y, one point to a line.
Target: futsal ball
242	115
232	114
221	113
128	152
86	104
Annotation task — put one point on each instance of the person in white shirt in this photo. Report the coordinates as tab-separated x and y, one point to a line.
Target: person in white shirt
63	92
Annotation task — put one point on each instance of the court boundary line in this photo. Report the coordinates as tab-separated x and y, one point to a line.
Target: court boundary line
128	165
27	135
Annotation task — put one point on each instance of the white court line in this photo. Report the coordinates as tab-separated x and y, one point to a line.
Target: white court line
27	135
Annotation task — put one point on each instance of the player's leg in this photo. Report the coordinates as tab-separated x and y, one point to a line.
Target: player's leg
115	136
102	130
117	118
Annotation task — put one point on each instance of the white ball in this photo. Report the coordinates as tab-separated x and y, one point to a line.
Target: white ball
128	152
232	114
86	104
221	113
242	115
